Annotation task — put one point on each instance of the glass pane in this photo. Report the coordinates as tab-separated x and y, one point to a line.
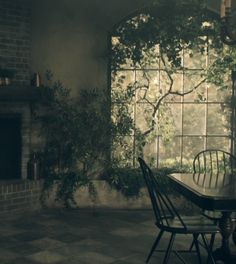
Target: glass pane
150	58
194	119
170	152
143	117
176	117
122	116
177	82
191	146
218	95
122	82
213	55
166	123
122	151
118	47
164	61
218	119
219	143
192	79
150	152
212	93
194	59
165	85
147	85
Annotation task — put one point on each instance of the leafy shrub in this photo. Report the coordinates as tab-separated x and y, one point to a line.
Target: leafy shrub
129	181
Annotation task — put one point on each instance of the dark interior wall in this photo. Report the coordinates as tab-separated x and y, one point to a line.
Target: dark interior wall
70	38
15	38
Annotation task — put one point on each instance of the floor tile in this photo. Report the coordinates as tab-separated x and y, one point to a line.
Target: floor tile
89	257
46	257
47	243
7	255
84	236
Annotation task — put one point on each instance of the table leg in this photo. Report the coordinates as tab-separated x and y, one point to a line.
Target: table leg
234	236
226	227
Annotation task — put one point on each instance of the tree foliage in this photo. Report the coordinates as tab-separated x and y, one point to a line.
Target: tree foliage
165	34
174	25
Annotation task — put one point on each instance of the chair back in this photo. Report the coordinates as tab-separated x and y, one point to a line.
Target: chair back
163	208
213	168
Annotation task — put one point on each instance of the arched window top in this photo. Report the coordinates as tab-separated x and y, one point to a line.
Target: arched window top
168	31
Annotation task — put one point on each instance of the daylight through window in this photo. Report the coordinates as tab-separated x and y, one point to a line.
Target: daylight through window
174	112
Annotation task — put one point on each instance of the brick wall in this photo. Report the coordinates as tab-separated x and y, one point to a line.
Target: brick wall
20	196
15	38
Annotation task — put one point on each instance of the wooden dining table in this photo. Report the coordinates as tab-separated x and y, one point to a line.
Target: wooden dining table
219	196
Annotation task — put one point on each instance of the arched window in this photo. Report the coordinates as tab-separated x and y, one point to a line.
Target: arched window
172	110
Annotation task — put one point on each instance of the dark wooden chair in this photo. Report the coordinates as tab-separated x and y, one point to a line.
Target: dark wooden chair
214	168
169	220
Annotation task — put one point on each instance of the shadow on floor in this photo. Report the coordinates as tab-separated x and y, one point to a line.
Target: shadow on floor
83	236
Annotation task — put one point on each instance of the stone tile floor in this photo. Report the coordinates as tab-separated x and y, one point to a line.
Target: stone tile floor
82	236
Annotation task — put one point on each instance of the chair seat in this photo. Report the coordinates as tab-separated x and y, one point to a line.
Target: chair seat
194	224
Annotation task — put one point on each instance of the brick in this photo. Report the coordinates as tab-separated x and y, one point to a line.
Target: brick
3	191
15	36
12	207
5	203
26	193
3	209
11	195
19	200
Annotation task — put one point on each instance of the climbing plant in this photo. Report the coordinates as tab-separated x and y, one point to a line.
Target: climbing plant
165	34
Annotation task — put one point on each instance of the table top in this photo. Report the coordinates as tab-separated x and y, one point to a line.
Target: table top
206	191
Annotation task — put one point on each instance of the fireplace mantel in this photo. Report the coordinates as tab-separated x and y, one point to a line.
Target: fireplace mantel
19	93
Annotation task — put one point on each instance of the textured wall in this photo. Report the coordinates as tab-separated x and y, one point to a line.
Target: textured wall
15	38
20	196
71	39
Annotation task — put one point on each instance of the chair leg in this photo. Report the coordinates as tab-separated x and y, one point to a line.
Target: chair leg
195	242
167	255
211	245
210	256
191	247
212	241
234	235
154	245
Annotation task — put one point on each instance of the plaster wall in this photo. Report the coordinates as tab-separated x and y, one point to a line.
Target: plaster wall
71	39
110	198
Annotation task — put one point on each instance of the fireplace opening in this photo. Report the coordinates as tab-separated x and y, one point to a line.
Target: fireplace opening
10	147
